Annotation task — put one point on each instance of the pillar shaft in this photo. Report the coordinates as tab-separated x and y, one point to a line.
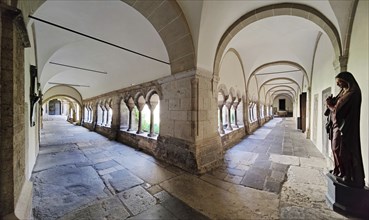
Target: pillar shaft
221	129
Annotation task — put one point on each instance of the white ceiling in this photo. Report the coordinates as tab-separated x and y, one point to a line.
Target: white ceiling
282	38
110	21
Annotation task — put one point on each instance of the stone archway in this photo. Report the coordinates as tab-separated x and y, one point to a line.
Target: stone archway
168	20
292	9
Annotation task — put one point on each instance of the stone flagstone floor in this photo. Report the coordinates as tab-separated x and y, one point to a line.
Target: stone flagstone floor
273	174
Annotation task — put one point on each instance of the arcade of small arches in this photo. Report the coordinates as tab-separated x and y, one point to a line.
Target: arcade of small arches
135	114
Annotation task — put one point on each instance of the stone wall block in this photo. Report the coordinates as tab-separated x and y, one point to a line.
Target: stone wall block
175	30
184	63
178	115
282	11
146	8
185	103
300	13
174	104
167	128
180	48
177	152
203	115
165	14
182	130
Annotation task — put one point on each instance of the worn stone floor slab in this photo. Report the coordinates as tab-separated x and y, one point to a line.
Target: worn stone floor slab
109	209
122	180
62	189
146	170
137	199
285	159
214	202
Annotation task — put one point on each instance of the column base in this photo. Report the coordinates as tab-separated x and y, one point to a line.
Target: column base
348	201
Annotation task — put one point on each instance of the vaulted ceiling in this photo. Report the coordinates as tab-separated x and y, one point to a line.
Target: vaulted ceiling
94	67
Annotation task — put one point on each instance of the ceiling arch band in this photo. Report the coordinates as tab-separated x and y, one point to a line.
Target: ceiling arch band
280	78
283	91
284	96
282	62
291	9
281	86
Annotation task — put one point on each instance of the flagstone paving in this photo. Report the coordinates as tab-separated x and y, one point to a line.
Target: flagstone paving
271	174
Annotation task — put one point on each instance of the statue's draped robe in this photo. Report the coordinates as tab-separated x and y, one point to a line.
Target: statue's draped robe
346	147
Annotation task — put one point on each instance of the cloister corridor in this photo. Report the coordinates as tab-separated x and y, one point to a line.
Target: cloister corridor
274	173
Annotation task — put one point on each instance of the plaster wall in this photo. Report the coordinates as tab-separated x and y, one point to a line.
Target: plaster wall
262	96
358	65
32	133
323	78
252	90
231	73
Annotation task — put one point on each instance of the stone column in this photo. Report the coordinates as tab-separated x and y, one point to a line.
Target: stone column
152	106
189	136
235	105
130	105
139	127
94	116
115	121
229	106
221	129
129	118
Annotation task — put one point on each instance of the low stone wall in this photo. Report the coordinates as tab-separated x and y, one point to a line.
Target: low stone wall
232	138
138	141
88	125
105	131
253	126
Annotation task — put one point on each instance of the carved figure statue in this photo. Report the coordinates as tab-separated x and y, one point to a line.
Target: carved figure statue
343	127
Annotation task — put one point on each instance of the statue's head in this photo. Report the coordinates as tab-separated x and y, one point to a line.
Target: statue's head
346	80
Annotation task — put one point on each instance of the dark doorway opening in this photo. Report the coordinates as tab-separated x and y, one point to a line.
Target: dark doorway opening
54	107
282	105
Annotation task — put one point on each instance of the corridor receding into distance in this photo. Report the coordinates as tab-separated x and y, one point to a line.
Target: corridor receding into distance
183	109
272	173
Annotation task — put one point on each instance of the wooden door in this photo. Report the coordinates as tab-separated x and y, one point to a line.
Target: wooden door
303	111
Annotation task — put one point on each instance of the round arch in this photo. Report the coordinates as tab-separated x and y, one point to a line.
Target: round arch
62	90
282	62
180	59
280	78
292	9
285	95
284	92
282	86
69	98
235	52
151	93
223	89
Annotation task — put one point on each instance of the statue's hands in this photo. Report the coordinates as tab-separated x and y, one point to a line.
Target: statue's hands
330	100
